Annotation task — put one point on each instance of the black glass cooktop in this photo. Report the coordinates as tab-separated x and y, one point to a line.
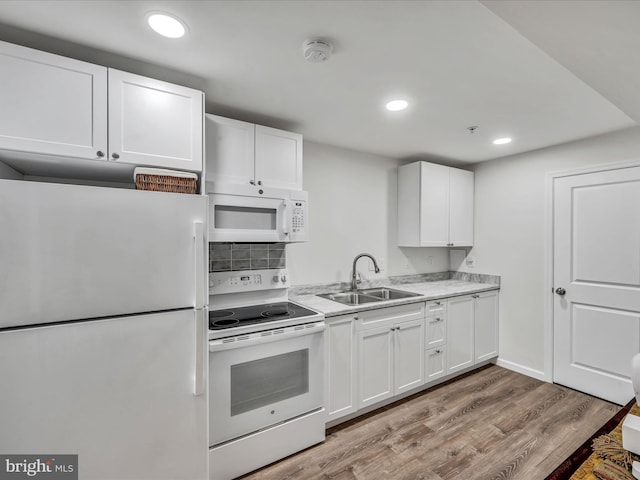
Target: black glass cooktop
254	314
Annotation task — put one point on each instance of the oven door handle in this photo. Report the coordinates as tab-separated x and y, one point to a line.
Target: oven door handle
268	336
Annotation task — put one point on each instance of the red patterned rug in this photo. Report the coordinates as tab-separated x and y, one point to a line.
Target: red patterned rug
567	468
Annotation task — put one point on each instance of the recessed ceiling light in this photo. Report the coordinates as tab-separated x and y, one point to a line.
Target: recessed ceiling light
166	25
396	105
502	141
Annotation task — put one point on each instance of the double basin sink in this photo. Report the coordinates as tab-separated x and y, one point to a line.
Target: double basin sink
369	295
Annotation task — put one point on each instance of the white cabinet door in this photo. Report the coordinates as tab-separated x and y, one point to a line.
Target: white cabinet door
118	392
460	207
460	339
434	205
375	365
154	123
408	355
230	150
340	367
87	252
486	326
435	363
278	158
52	104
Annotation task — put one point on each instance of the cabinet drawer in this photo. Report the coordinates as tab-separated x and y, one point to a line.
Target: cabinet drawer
435	331
382	317
435	308
435	363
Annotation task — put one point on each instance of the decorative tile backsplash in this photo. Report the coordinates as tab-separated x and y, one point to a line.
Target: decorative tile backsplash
226	257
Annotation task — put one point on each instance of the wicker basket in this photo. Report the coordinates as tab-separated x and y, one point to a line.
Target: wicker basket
157	180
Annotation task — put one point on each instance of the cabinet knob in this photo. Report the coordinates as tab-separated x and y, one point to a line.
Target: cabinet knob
438	351
259	182
252	182
100	153
115	156
561	291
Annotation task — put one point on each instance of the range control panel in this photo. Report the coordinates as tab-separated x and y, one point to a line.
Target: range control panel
247	281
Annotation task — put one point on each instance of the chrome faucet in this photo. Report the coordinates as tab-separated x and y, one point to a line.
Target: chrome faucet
354	280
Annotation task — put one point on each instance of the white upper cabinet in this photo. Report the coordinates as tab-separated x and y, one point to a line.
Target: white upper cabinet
247	154
278	158
51	104
154	123
57	106
435	206
230	150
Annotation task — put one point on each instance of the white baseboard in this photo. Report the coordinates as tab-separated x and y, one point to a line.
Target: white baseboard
530	372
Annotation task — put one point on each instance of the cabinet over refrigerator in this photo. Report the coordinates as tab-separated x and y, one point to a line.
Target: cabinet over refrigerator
102	329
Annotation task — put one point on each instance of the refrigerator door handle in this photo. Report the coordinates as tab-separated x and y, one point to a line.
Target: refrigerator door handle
200	380
200	283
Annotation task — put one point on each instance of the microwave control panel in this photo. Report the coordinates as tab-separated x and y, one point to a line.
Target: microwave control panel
299	218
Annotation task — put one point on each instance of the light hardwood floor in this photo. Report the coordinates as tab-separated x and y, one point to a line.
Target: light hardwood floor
490	424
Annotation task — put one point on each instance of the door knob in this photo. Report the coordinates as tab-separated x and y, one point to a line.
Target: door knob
560	291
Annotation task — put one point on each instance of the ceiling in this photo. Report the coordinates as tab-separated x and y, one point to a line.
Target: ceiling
541	72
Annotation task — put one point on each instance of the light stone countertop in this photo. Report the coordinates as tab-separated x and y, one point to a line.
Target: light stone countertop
432	290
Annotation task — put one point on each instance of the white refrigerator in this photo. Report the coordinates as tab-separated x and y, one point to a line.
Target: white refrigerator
103	329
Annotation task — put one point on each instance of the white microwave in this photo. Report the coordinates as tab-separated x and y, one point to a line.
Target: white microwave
276	216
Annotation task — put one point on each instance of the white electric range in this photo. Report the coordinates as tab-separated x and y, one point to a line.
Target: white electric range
266	374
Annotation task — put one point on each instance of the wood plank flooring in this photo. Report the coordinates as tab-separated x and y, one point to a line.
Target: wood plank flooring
492	424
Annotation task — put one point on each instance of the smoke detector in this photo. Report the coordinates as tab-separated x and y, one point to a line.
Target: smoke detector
316	51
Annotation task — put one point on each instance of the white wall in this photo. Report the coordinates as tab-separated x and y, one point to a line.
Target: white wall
352	209
510	196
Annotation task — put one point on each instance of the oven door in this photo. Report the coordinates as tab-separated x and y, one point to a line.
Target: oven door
264	381
237	218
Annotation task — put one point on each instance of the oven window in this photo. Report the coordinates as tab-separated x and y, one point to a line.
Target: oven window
263	382
245	218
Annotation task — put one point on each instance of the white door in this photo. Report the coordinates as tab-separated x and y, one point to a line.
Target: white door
278	158
486	326
118	392
597	281
340	367
375	365
434	205
460	207
460	339
52	104
230	150
72	252
408	353
154	123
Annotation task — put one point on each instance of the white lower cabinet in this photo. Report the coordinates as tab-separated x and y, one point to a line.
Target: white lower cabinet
340	366
390	352
472	329
378	354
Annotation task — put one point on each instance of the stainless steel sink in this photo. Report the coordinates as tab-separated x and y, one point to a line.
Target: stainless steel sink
388	293
369	295
350	298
